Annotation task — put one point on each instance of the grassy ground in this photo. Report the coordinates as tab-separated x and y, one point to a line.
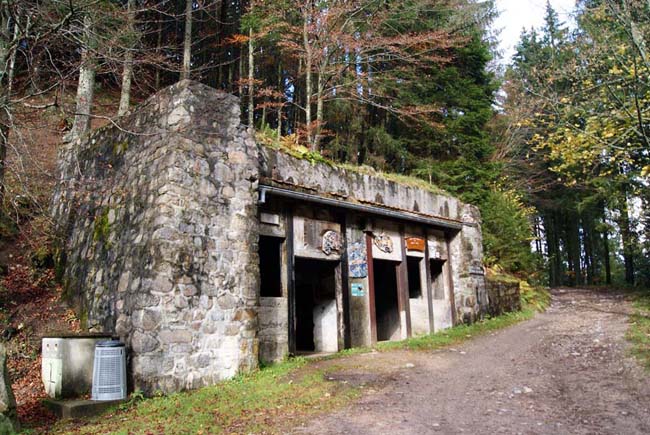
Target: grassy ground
266	402
639	332
257	403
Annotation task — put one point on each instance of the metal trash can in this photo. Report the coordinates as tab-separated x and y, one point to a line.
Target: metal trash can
109	371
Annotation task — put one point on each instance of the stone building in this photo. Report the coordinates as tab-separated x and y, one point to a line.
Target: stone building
205	252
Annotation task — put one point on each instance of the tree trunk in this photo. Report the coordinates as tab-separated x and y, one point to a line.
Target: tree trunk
240	83
319	111
281	90
587	239
85	87
576	248
308	67
12	61
627	237
553	248
216	54
125	97
608	267
187	43
6	69
251	78
161	19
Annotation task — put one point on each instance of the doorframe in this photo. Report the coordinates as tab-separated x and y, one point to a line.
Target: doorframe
345	339
427	269
450	279
371	289
403	303
291	284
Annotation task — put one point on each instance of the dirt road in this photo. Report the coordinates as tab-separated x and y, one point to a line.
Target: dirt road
564	372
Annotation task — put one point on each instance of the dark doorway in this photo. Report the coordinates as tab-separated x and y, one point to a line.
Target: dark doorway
316	316
437	278
386	305
415	283
270	266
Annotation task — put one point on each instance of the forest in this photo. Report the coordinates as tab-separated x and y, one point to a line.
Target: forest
553	147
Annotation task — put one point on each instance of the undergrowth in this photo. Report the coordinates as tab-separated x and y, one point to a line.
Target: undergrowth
267	401
460	333
260	402
534	297
638	334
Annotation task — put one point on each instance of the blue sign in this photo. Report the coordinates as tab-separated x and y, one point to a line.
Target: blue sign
357	289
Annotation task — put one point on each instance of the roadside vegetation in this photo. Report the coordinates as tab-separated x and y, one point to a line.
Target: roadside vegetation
273	398
553	170
639	332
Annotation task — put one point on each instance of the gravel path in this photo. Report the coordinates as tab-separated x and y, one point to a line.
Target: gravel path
564	372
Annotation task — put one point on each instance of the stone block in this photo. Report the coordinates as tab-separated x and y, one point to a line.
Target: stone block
143	343
168	336
79	408
8	418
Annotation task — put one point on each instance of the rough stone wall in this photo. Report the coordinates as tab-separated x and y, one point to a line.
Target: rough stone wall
471	298
504	297
156	229
8	419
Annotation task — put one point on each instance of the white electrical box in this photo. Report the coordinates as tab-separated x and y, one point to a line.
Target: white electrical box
67	364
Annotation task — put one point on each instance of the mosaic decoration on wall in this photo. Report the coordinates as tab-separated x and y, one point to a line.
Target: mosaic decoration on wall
357	260
384	243
331	242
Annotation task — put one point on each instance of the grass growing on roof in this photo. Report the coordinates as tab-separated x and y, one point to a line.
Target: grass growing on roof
290	145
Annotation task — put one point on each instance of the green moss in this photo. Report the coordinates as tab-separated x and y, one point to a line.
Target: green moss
120	147
502	277
82	315
60	258
397	178
102	228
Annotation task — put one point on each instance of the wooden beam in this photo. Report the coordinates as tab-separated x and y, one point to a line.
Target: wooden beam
450	279
403	287
345	283
371	290
291	284
427	268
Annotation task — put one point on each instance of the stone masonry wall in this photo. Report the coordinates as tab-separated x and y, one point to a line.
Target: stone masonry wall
158	236
504	297
154	219
471	298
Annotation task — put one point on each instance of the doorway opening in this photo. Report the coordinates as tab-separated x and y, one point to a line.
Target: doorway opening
316	312
437	281
386	305
413	271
